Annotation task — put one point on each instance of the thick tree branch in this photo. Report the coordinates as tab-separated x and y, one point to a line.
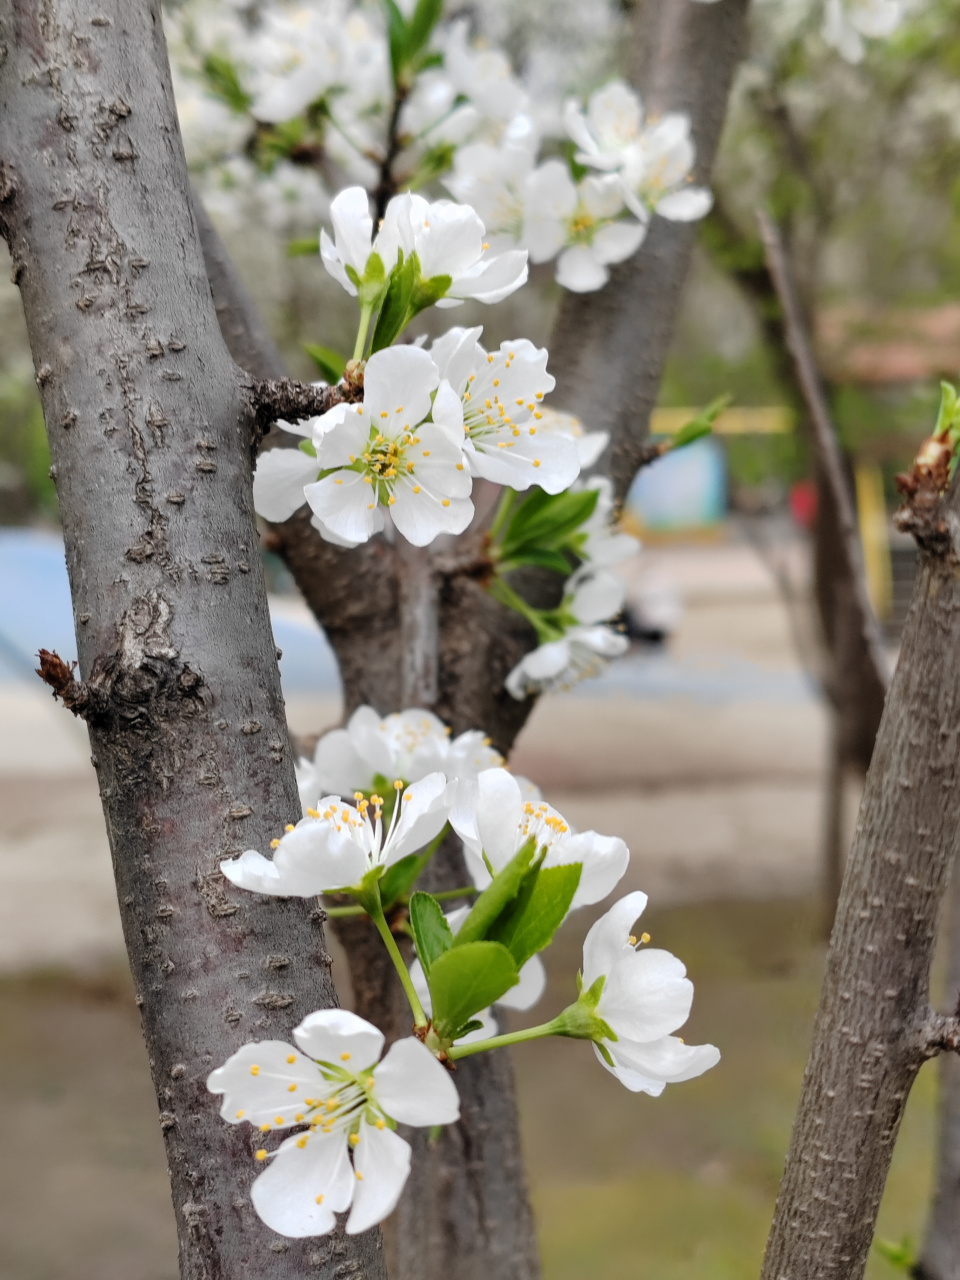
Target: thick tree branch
609	348
148	425
872	1032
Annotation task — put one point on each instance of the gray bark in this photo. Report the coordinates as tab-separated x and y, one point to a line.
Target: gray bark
608	349
150	427
874	1027
940	1257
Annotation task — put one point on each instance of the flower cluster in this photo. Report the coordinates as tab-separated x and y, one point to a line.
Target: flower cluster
337	1103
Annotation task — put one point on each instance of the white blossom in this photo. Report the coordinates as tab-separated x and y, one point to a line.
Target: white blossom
584	648
601	545
348	255
482	75
384	457
646	996
590	444
653	160
496	399
339	842
494	820
407	745
847	22
348	1156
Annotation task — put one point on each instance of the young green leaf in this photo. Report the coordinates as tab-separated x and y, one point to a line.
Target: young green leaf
395	308
398	35
465	980
422	21
222	78
531	927
547	520
330	364
303	247
431	933
497	896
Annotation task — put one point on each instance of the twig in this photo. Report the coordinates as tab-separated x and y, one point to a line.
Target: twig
273	399
825	441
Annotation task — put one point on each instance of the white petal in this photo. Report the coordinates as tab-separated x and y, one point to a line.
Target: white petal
492	279
252	871
499	809
414	1088
590	445
341	1038
331	260
279	480
422	517
579	271
646	995
532	984
597	597
285	1196
256	1082
399	381
424	808
353	227
314	858
448	407
686	205
608	937
455	355
667	1059
618	241
452	240
604	860
382	1162
344	504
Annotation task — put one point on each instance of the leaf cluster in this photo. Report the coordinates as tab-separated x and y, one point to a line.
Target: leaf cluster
513	919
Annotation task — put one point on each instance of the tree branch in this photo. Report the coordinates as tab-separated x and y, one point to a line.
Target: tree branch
146	415
825	443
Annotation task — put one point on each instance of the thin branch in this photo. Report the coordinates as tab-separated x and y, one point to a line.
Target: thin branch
284	399
941	1034
825	441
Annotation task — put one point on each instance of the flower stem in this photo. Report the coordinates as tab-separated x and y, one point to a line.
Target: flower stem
374	910
466	892
343	913
500	590
365	315
510	1037
504	510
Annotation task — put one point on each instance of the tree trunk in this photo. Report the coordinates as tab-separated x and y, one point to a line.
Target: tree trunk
150	427
874	1027
940	1259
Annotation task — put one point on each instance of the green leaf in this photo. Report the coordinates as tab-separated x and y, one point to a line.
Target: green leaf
465	980
428	292
395	308
305	247
308	447
497	896
702	424
431	933
473	1025
370	288
531	927
222	78
543	558
546	520
399	879
903	1256
398	35
330	364
422	21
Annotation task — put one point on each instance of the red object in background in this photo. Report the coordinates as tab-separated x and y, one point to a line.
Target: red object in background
803	503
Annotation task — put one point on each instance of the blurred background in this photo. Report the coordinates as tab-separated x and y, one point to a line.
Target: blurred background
706	747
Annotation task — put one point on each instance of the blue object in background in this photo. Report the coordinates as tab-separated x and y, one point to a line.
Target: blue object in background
35	612
686	489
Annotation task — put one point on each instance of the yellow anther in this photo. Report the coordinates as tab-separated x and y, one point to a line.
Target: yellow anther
358	796
345	1057
383	414
264	1128
632	941
274	844
446	502
496	382
644	937
486	246
399	409
381	1124
391	500
319	1199
539	395
538	414
416	488
299	1119
302	1142
311	813
288	827
291	1088
331	1103
354	1139
489	359
278	1119
426	453
241	1114
533	431
398	784
261	1154
291	1057
536	462
359	1176
254	1070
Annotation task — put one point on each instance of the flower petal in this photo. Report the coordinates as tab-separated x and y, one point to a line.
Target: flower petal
608	937
256	1083
305	1185
532	984
341	1038
499	809
424	808
604	860
346	505
647	995
686	205
398	382
279	480
667	1059
382	1162
412	1086
579	271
